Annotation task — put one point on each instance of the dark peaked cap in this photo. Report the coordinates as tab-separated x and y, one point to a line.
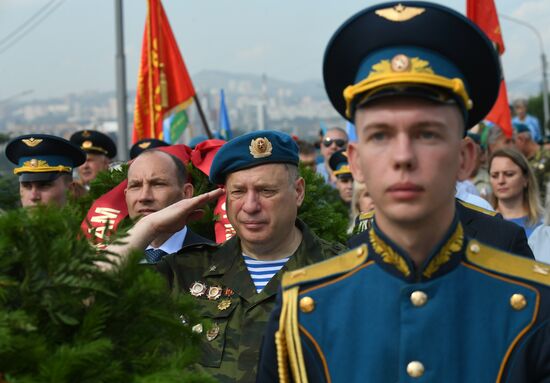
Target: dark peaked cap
455	50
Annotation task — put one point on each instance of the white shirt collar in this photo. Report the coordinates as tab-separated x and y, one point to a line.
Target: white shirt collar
173	244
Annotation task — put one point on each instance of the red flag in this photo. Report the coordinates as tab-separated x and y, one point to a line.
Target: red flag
484	14
164	86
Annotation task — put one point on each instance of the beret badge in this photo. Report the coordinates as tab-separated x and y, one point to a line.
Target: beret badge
260	147
144	145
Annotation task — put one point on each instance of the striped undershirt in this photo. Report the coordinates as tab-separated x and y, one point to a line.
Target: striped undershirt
261	272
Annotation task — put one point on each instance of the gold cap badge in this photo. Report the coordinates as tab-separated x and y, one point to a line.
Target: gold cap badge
144	145
32	142
399	13
87	144
260	147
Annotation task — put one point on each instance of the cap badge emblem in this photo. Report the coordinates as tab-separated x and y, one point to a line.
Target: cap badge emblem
400	63
87	144
32	142
86	134
144	145
34	163
399	13
260	147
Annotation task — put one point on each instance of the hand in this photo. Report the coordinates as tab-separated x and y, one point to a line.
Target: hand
174	217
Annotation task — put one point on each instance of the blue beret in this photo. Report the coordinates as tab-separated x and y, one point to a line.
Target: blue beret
253	149
415	49
521	127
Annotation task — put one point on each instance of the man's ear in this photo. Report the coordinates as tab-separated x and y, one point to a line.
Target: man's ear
467	159
188	190
355	162
300	185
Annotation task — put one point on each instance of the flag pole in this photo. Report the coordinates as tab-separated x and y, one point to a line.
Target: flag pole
203	118
122	114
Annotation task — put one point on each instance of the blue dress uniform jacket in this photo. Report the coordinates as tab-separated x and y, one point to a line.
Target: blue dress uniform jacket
480	224
471	313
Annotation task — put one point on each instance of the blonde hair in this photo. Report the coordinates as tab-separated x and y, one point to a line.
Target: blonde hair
531	196
358	189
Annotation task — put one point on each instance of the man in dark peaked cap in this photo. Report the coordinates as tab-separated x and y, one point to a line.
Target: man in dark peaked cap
44	166
419	301
146	144
100	149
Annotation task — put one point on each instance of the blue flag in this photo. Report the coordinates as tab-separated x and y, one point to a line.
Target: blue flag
350	130
224	127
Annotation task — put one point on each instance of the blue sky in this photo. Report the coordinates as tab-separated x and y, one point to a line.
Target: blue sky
73	49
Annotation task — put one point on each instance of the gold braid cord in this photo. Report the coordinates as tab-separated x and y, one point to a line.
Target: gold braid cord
288	342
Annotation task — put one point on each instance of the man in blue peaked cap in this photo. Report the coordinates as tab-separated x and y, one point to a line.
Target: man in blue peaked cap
44	164
235	284
419	301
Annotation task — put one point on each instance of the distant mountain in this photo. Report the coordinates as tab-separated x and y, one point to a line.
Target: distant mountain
252	84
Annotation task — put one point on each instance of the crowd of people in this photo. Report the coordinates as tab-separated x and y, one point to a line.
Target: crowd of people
446	214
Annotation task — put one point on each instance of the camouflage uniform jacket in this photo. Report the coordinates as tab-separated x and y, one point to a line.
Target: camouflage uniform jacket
228	297
540	164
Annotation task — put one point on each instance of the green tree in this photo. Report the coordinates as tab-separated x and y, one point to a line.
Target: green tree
62	319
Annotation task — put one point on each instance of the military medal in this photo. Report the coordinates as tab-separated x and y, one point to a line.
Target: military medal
213	332
197	289
214	292
197	328
224	304
228	292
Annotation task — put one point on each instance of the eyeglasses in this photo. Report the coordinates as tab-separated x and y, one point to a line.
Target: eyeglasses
338	141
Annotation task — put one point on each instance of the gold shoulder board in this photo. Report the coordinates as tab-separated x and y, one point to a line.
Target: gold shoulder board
505	263
477	208
333	266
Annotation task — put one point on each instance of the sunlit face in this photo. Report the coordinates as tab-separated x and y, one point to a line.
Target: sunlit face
507	179
262	204
334	137
410	153
153	184
95	163
520	110
365	201
44	192
344	184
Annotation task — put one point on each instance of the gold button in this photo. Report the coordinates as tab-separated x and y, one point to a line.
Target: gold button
360	252
474	248
415	369
518	301
419	298
307	304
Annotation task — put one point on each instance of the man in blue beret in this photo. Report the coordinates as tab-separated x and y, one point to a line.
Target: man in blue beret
419	300
100	149
235	284
44	164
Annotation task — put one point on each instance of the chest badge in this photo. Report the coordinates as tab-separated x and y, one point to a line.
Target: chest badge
224	304
214	292
197	289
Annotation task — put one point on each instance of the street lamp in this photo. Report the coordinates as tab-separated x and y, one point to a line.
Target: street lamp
545	106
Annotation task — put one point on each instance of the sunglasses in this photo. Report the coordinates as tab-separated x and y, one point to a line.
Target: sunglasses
338	141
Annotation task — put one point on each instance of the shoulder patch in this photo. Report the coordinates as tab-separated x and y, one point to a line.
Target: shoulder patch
367	215
505	263
477	208
333	266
